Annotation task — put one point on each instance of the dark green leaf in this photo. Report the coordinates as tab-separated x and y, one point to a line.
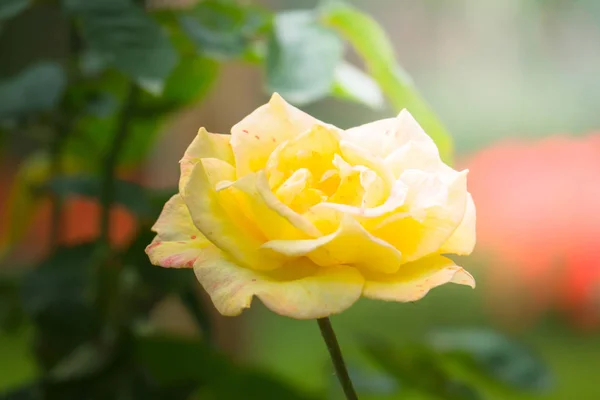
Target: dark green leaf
37	88
10	8
130	195
11	312
302	57
371	42
197	362
58	296
120	32
32	392
420	369
190	82
18	366
101	105
366	382
224	30
354	85
501	358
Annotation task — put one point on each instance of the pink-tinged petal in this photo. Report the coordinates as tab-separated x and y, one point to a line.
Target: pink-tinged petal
414	280
255	137
298	290
205	145
178	242
350	245
219	216
462	241
382	137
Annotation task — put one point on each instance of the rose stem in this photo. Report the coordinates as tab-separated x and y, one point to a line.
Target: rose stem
336	357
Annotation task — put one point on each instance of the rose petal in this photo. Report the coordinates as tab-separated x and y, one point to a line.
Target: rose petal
205	145
435	210
462	241
299	290
275	219
219	217
178	242
314	150
414	280
382	137
351	245
255	137
415	155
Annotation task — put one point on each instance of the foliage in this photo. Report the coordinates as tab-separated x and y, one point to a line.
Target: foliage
76	323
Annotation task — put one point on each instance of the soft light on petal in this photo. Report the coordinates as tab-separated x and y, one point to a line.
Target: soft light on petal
414	280
299	290
435	210
351	245
271	216
255	137
205	145
178	242
462	241
380	138
219	217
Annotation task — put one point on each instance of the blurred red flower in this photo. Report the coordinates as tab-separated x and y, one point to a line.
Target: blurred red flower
538	210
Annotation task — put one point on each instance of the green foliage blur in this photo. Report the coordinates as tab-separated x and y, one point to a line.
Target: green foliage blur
78	325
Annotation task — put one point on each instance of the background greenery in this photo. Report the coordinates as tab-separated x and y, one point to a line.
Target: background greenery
86	89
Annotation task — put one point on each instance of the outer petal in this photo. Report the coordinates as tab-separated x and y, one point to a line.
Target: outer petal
299	290
205	145
255	137
381	137
414	280
218	216
178	243
463	239
351	244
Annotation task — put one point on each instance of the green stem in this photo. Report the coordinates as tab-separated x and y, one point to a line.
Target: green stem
336	357
108	275
108	183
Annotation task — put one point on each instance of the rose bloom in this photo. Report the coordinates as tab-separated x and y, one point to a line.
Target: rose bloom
538	219
309	217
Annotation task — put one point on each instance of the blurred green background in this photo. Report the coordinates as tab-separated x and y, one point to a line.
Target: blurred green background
494	71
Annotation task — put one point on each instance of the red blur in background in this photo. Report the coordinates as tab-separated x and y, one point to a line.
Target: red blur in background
538	210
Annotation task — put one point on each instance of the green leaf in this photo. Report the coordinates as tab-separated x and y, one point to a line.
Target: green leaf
37	88
189	82
224	30
17	364
11	311
122	33
192	79
58	296
373	45
29	392
499	357
302	57
354	85
419	369
211	371
128	194
10	8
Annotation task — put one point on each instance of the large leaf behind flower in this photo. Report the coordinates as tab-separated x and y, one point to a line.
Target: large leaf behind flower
373	45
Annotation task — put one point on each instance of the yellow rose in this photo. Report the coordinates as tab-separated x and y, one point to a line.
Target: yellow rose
309	217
